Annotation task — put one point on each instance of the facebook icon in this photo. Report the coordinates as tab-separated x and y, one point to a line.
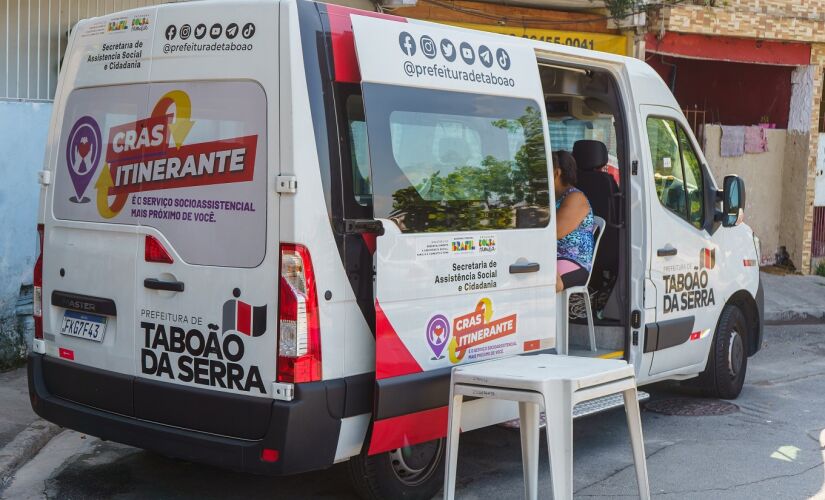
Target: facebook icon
407	43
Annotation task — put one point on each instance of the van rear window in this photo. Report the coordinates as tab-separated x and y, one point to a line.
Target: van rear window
186	158
448	161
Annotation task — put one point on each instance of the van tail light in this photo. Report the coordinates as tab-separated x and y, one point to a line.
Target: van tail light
154	251
299	333
37	293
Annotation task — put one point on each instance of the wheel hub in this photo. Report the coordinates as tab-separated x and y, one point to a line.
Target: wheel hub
736	351
415	464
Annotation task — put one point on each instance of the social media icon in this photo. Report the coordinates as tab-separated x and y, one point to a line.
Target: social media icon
200	31
428	47
485	55
503	59
215	31
248	30
231	31
448	50
185	31
171	31
467	52
407	43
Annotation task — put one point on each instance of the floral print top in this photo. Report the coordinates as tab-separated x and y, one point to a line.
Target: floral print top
578	245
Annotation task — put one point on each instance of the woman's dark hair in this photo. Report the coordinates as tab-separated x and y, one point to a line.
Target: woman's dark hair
565	162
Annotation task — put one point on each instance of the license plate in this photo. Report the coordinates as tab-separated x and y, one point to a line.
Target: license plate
84	326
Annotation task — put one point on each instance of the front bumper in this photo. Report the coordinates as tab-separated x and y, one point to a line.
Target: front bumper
304	431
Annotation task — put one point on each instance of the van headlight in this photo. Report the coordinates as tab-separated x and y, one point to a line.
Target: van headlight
758	246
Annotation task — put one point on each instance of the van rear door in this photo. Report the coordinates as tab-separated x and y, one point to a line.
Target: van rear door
205	308
466	262
207	266
89	258
89	263
161	249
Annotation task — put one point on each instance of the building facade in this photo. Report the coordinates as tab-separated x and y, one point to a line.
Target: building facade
745	62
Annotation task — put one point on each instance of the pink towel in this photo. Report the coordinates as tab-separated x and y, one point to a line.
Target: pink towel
756	140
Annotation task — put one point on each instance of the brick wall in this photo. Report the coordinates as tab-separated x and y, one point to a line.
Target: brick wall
777	20
802	21
818	62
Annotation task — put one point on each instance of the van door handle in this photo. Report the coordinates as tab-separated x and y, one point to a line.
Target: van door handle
666	252
524	267
169	286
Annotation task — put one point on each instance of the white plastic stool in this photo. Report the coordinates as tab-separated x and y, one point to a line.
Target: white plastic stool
556	383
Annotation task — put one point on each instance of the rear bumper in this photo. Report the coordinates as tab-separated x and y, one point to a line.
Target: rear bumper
304	431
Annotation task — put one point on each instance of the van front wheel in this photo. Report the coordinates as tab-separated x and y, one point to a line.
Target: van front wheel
724	374
410	473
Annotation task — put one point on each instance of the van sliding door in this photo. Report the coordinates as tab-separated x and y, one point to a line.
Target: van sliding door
466	262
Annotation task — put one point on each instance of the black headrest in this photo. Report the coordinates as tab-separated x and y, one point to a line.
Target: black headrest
590	155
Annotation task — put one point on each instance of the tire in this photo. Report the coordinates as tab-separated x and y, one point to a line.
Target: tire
410	473
727	365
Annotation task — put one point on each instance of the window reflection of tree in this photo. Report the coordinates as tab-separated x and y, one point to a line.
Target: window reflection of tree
484	197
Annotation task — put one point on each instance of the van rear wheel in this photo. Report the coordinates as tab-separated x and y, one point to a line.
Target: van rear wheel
412	472
724	374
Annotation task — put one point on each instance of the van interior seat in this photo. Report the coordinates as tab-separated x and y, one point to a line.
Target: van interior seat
600	189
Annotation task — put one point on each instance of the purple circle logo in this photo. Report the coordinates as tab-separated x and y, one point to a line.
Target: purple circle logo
438	332
83	149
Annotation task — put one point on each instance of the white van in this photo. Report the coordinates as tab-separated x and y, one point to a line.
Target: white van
232	273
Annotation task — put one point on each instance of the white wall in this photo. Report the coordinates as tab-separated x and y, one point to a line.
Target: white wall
764	175
23	128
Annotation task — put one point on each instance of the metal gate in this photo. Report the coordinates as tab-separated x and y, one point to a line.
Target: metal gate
33	36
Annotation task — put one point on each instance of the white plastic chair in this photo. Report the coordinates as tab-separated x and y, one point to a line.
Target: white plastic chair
554	384
598	230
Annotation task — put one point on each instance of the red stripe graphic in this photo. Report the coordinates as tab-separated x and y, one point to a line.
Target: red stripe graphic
131	178
154	138
410	429
244	318
344	62
369	240
391	356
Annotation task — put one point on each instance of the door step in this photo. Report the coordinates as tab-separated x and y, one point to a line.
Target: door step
586	408
599	405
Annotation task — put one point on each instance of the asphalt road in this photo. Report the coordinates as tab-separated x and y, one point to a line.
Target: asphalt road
771	447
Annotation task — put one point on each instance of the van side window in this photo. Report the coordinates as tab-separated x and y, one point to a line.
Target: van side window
359	150
676	170
448	161
667	164
693	181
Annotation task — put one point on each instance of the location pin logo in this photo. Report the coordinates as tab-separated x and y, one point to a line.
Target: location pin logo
82	155
438	332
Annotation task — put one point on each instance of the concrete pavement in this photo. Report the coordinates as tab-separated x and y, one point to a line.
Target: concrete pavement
793	298
777	399
771	448
17	414
22	433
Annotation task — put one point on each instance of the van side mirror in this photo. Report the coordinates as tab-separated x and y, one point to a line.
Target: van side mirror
733	201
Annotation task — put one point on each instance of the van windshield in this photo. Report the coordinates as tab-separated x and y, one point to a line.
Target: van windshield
447	161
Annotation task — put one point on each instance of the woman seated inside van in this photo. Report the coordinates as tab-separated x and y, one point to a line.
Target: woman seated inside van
574	225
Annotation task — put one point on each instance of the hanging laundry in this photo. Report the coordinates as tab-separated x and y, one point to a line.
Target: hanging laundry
733	141
756	139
